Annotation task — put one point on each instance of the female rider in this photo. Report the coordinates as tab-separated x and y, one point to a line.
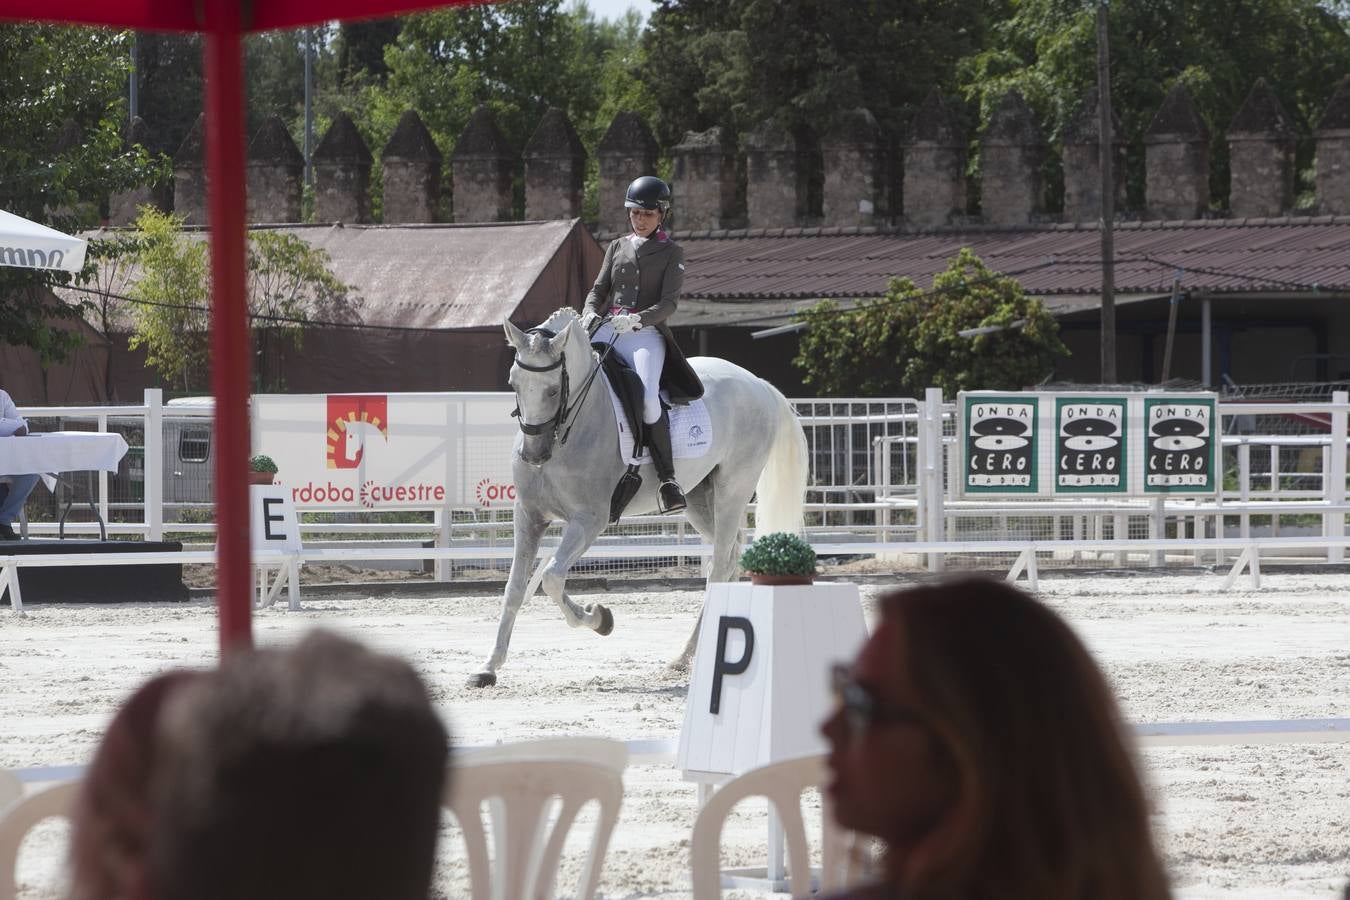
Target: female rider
638	287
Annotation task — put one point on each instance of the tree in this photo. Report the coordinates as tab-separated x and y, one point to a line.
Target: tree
909	340
740	63
55	174
519	58
289	283
172	296
107	276
1048	50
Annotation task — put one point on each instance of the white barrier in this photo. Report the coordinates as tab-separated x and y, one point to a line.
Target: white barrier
1248	550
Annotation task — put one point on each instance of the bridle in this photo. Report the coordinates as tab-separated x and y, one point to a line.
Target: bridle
563	413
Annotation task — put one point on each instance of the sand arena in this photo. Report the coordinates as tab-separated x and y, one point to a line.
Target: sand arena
1256	821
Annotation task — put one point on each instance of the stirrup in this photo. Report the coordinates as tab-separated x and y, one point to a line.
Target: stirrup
670	497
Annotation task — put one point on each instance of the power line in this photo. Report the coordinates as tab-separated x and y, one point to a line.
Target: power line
286	320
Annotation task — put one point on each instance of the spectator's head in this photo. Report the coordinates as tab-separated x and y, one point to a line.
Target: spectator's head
978	739
111	821
308	772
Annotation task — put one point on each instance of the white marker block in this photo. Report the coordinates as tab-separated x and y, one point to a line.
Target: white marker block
765	695
274	529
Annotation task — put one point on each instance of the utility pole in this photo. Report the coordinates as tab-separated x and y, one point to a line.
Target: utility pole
1105	152
135	99
309	107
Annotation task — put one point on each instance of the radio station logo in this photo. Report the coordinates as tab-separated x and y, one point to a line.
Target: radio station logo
1091	450
1000	444
1180	444
353	421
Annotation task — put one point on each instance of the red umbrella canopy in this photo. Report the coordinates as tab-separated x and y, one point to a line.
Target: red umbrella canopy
223	22
187	15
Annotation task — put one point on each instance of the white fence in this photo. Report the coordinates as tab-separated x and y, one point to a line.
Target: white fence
881	485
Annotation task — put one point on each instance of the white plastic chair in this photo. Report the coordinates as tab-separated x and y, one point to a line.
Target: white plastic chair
519	783
11	789
782	784
603	752
20	818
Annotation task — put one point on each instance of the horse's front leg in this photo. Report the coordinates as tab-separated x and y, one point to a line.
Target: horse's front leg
529	529
580	532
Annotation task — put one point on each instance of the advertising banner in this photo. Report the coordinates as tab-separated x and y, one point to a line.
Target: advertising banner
1090	442
1182	445
388	451
1057	444
1000	441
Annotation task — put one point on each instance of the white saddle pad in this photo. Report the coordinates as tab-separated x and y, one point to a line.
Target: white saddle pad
690	430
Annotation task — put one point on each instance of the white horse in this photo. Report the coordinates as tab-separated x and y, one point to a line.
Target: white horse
566	463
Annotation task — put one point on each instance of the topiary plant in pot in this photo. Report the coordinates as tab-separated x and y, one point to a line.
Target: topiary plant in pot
779	558
261	469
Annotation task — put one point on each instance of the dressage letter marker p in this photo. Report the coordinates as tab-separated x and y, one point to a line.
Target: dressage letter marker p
723	666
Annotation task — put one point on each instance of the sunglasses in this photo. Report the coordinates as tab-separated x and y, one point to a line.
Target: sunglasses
862	710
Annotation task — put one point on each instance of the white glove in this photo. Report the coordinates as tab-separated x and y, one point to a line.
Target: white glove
622	324
588	320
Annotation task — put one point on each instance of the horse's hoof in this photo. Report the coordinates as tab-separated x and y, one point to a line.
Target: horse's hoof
606	621
678	666
481	680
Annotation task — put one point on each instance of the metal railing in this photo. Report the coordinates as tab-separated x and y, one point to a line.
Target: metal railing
880	476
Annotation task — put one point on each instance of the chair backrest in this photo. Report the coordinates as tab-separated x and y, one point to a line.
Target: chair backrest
11	789
782	783
19	818
603	752
520	793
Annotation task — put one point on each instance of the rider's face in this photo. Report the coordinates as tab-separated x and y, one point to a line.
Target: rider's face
644	221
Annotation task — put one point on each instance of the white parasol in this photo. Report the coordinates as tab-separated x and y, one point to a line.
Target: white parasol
32	246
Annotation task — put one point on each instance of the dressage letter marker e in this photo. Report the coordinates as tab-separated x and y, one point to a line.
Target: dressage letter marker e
270	515
723	666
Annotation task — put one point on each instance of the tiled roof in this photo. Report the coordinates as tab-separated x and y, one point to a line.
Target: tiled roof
432	276
1285	255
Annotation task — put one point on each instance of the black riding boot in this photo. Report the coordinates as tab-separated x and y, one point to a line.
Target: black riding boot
671	498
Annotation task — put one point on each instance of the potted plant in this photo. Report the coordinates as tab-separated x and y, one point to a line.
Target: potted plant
261	469
779	558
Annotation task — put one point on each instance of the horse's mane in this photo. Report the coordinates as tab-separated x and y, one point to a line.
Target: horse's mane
559	319
537	339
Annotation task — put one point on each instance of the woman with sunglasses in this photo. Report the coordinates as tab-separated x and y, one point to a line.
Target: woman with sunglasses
976	737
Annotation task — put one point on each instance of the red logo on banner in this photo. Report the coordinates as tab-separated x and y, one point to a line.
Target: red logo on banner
489	492
352	419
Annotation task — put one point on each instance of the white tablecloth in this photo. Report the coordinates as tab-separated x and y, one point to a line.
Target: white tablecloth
61	451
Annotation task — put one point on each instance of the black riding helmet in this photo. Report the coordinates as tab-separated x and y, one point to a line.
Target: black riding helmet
648	192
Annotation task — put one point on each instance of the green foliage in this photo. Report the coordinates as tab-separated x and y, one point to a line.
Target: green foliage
779	553
171	318
48	76
518	58
261	462
909	340
1048	50
289	283
739	63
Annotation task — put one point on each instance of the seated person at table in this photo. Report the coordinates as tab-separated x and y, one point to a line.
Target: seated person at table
976	737
14	489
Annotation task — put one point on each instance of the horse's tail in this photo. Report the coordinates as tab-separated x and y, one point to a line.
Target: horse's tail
782	484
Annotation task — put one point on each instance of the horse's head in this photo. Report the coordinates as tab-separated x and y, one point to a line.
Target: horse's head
541	383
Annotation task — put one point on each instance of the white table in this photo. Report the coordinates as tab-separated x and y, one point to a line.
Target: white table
49	453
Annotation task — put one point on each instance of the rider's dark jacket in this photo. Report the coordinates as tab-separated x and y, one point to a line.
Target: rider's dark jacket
646	279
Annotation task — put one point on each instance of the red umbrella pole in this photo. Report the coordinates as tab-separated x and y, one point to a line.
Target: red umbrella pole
230	377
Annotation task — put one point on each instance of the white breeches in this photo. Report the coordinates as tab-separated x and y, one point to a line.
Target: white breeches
645	351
